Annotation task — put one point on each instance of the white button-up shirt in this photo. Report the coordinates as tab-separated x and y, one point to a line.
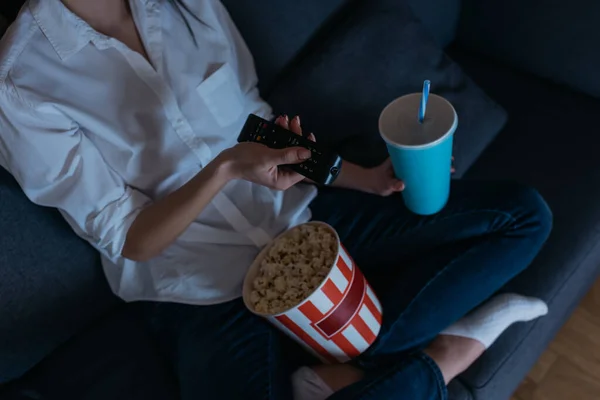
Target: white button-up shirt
90	127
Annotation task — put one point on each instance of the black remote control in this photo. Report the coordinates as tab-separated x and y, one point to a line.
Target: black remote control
323	166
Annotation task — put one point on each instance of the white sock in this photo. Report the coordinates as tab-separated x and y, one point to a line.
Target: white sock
487	322
308	385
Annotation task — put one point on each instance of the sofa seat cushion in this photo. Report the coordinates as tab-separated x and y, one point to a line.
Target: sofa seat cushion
548	143
379	52
114	359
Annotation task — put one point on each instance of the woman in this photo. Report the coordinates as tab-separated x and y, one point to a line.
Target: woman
124	116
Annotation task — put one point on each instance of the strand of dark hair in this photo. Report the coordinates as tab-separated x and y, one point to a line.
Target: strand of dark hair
180	6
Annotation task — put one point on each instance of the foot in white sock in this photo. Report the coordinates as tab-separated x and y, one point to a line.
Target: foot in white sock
487	322
307	385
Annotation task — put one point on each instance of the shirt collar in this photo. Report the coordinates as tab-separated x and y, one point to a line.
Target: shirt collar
67	33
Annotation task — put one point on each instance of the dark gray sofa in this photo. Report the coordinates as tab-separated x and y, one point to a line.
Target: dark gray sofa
63	335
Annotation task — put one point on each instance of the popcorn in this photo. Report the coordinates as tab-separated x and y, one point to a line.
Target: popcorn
293	268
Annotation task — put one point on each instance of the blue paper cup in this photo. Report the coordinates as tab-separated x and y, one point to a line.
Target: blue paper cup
421	153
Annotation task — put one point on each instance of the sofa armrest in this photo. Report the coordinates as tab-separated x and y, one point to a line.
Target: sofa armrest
553	39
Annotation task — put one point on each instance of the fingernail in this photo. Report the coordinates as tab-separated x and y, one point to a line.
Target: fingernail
298	119
304	154
286	118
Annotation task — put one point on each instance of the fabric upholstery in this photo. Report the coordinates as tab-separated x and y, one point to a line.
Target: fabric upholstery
379	52
277	32
440	17
51	282
555	39
115	359
547	144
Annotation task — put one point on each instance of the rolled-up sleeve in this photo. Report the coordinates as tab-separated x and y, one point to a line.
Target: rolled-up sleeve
57	166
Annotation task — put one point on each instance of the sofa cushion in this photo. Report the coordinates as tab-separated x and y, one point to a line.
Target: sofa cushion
554	39
548	144
277	32
51	282
377	53
115	359
440	17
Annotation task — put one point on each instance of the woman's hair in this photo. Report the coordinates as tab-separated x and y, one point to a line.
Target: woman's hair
180	6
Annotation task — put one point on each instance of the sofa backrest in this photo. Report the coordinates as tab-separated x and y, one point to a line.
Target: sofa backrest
554	39
278	33
440	17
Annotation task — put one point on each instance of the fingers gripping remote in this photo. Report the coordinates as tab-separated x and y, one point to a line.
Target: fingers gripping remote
323	166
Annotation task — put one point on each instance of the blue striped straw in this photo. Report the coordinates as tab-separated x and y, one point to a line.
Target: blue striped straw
424	98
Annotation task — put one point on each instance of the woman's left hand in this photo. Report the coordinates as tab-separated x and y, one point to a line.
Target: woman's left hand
379	180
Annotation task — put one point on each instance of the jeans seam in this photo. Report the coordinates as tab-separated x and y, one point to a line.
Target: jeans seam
432	367
508	215
435	369
467	212
270	366
382	377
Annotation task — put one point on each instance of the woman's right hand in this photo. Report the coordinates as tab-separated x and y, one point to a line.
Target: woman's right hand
265	166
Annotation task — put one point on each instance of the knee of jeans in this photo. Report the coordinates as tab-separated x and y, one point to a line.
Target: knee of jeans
530	210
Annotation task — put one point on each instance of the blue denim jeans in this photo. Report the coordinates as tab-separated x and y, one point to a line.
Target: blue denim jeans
427	271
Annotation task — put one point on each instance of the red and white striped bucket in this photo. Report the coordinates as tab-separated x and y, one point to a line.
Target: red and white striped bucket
339	320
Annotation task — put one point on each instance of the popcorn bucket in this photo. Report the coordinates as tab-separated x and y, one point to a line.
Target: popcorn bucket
339	320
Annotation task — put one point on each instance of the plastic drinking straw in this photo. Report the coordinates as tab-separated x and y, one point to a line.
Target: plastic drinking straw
424	98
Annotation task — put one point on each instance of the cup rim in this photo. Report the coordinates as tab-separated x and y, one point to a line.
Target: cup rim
255	266
450	131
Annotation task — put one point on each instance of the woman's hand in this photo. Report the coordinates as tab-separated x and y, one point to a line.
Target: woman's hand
293	125
262	165
379	180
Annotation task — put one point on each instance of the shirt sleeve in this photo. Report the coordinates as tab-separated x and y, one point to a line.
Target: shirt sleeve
57	166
